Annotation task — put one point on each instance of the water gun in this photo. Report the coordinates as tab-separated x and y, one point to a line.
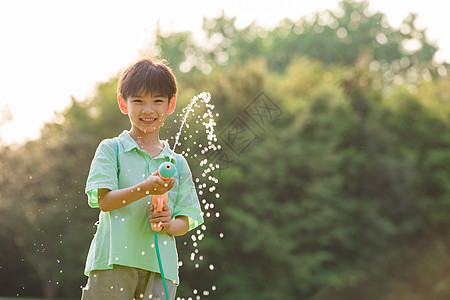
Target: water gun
166	171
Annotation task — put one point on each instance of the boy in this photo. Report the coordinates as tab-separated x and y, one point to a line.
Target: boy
122	261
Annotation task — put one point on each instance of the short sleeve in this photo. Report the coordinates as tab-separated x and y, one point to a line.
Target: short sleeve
103	172
187	203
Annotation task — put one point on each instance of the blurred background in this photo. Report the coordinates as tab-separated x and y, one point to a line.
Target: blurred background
335	131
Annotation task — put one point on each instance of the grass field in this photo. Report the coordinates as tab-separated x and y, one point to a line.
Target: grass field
17	298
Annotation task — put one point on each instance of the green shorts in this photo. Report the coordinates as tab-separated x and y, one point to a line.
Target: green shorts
126	283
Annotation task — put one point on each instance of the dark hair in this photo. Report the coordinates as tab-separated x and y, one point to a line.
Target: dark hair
147	76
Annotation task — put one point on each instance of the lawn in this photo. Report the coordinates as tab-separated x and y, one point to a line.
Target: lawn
17	298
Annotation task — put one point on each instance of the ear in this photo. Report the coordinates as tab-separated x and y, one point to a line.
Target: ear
172	104
122	104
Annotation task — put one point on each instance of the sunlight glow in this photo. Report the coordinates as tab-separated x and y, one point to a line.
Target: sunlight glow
53	50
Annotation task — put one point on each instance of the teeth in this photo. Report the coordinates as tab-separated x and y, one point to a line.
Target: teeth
148	120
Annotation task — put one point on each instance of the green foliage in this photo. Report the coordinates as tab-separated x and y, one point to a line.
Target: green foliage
344	196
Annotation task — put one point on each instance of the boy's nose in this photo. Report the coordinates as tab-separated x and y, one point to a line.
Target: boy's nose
147	108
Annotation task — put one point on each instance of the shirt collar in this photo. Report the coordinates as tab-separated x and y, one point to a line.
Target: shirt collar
129	144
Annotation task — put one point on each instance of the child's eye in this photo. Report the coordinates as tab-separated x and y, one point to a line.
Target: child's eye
159	100
137	100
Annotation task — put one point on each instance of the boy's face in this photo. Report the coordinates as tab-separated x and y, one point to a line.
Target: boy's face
146	112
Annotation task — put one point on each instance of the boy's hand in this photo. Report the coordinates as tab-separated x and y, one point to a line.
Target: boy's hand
155	185
163	218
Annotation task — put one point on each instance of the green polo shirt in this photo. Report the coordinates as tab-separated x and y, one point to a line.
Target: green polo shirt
124	236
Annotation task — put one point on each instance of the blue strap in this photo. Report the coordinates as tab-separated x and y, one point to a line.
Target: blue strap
179	164
116	150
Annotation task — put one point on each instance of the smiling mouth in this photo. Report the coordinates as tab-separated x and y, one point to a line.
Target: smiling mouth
148	120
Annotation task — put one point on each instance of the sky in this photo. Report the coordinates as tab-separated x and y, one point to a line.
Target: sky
52	50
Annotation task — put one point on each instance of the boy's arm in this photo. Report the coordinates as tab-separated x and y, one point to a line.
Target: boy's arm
178	226
109	200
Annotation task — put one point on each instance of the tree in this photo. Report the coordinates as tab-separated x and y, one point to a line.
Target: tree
346	192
